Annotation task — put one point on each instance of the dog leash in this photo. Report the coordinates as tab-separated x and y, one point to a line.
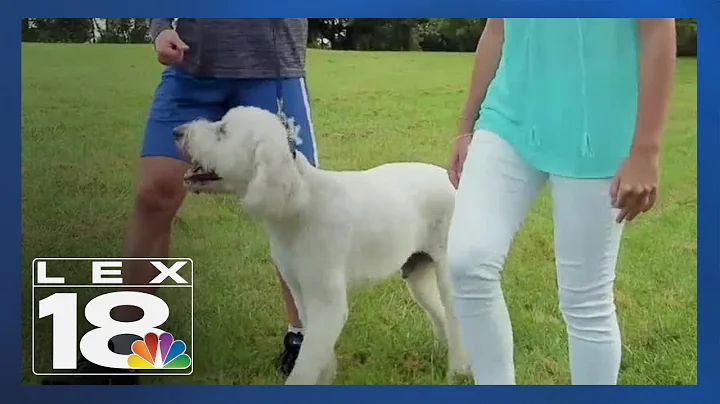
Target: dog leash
289	126
198	173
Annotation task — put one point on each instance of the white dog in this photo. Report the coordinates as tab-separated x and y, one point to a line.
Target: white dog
329	229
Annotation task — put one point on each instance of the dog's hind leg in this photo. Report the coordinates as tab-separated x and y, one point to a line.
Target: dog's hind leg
419	274
326	308
458	359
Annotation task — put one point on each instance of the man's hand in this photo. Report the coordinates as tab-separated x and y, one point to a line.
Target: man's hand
634	188
169	47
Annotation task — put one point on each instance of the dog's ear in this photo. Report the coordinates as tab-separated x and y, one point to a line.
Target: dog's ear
222	130
276	188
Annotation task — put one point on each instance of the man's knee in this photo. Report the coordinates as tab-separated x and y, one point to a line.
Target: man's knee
158	197
161	190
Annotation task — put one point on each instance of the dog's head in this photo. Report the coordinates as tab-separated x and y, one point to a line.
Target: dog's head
248	150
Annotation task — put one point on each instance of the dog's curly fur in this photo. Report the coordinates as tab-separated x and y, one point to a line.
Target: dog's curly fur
330	229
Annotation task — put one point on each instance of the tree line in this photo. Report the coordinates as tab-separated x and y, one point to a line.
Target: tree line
377	34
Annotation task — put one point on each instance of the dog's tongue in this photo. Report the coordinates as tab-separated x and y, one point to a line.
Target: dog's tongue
206	176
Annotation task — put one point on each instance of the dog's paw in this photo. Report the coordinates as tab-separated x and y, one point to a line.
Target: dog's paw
298	380
328	373
464	377
440	335
459	367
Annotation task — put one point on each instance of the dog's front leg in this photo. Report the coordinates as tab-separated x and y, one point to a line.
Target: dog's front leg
325	306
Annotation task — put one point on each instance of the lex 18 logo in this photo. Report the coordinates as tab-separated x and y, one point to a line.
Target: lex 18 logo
56	301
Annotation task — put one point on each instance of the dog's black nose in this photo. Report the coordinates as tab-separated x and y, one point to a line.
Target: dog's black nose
179	131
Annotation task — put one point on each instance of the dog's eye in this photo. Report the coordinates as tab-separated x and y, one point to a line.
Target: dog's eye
221	130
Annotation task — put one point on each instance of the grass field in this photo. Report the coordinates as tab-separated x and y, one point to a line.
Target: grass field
83	113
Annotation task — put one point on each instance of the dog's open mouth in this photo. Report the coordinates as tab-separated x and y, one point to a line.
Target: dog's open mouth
199	174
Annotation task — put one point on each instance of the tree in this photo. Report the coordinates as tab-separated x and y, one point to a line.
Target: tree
391	34
451	34
73	30
116	30
398	34
140	31
29	33
384	34
326	30
686	36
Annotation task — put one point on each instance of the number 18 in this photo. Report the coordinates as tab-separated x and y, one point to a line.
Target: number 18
94	344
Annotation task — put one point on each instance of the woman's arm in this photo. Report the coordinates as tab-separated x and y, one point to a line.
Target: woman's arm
657	70
487	58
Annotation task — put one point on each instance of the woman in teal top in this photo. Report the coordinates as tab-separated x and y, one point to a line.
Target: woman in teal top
579	104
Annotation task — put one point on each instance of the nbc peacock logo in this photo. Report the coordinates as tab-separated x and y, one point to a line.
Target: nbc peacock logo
159	352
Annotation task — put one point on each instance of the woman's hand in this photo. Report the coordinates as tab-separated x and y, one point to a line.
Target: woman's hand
635	186
457	158
634	189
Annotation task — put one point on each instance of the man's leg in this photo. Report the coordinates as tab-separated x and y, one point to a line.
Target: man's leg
294	324
178	99
159	196
262	94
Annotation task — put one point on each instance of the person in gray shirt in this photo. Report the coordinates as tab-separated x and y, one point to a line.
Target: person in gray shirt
212	65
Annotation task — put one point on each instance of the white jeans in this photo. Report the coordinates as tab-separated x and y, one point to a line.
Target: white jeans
496	190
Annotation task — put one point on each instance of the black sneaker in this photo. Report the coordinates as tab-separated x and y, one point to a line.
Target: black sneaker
85	366
287	359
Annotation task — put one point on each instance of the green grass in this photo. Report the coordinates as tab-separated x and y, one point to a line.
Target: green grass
83	113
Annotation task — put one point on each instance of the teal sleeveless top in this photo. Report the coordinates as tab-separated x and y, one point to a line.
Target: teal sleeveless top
565	93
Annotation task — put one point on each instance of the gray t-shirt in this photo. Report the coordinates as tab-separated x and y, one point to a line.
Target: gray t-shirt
240	47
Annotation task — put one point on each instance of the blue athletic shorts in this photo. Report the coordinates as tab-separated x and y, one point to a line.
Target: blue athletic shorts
181	97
